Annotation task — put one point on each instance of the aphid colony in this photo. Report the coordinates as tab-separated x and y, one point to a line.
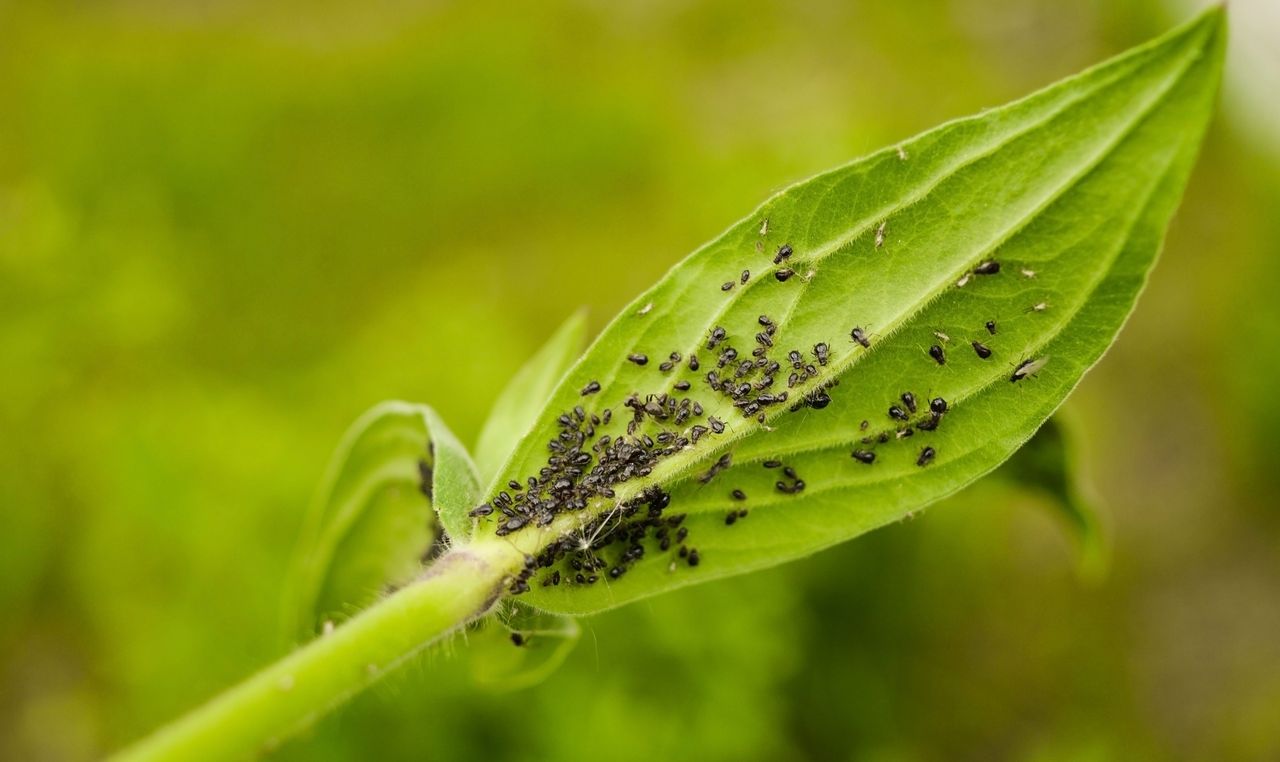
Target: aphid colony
586	465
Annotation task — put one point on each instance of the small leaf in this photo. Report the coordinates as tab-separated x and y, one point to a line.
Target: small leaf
517	407
520	647
373	520
986	264
1048	464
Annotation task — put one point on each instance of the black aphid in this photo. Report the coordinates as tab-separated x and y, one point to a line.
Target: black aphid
717	336
693	362
818	399
784	251
682	386
909	400
764	321
694	558
591	388
730	518
991	327
772	464
937	354
515	485
638	359
789	472
938	405
898	413
860	336
822	352
783	274
483	510
727	285
864	456
930	424
738	494
746	276
517	638
990	267
983	350
926	456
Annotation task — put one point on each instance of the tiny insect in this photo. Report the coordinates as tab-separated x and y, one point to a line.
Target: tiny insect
926	456
517	638
982	349
1040	307
938	355
746	276
904	433
898	413
738	494
819	399
991	327
682	386
880	234
909	400
645	309
717	336
938	405
963	280
864	456
638	359
783	274
784	251
693	362
591	388
990	267
860	336
694	558
1028	368
726	286
942	336
902	154
865	423
1028	273
772	464
764	226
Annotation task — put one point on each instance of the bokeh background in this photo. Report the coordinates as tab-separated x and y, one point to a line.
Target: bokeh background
227	228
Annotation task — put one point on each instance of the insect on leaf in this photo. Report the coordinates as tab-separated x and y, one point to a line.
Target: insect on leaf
375	517
867	342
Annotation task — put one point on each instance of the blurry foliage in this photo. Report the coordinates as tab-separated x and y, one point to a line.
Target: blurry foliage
225	230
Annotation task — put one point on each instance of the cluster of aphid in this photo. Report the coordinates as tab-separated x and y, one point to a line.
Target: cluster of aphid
586	465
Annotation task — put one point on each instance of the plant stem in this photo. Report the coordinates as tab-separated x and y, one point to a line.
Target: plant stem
287	696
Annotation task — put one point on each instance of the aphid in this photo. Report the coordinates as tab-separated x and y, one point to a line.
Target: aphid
898	413
784	251
942	336
991	327
880	234
1026	273
783	274
693	362
963	280
726	286
591	388
638	359
730	518
1040	307
483	510
515	485
682	386
990	267
517	638
716	424
1028	368
738	494
865	423
937	354
902	154
860	336
616	572
904	433
983	350
819	399
694	558
772	464
789	472
930	424
909	400
822	352
938	405
864	456
926	456
746	276
717	336
764	226
645	309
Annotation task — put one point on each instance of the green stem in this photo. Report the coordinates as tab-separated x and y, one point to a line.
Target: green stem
287	696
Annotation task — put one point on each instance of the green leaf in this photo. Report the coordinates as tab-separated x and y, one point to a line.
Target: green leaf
1069	190
520	647
375	517
1048	465
516	409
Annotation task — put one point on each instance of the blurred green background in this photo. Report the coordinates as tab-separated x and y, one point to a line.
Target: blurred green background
227	228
